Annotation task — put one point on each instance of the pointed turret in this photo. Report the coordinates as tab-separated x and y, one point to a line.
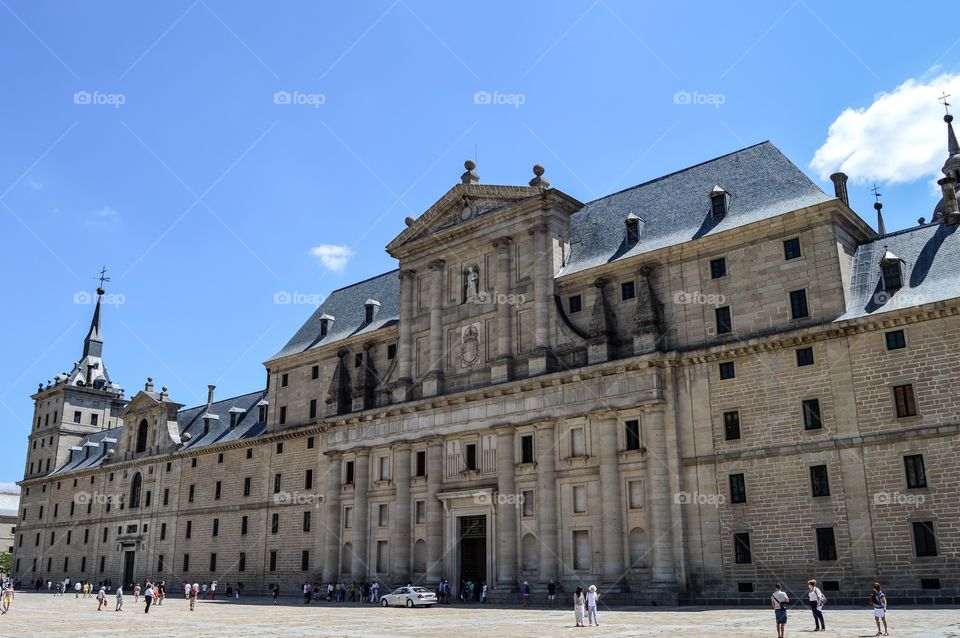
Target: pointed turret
93	343
951	168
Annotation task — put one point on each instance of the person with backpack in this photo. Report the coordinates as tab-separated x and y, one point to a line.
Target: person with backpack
879	602
779	600
816	599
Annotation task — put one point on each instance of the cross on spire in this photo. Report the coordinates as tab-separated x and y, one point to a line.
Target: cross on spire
876	193
102	276
943	99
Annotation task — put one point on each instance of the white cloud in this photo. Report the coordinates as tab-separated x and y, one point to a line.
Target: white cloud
901	137
9	486
333	257
106	211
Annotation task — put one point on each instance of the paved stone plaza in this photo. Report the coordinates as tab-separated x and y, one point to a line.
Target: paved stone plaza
44	615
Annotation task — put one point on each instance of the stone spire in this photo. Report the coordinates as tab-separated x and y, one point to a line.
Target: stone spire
93	343
947	209
878	206
951	168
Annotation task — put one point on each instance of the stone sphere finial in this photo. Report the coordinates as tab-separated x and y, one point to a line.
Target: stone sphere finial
538	170
469	165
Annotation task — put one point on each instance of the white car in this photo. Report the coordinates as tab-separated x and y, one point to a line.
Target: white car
409	597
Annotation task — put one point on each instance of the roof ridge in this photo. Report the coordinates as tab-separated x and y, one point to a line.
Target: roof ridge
683	170
903	230
233	398
363	281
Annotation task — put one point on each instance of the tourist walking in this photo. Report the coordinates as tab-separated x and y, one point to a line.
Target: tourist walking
579	602
551	593
592	597
192	593
148	597
101	598
7	597
374	592
879	601
213	590
76	589
161	592
119	599
779	600
186	591
275	590
136	593
483	592
816	600
525	592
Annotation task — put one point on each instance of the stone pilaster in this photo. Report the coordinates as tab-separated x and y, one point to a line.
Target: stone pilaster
433	382
434	511
405	345
547	501
502	367
611	506
539	362
331	523
506	509
658	492
361	514
401	528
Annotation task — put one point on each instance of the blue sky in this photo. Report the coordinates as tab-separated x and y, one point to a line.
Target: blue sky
221	157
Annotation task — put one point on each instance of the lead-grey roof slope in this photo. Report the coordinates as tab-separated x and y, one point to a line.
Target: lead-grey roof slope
675	208
82	460
345	305
931	256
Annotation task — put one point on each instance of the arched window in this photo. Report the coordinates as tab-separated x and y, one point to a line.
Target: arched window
530	553
141	437
135	488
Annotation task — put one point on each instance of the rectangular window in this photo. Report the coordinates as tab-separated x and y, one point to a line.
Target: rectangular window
189	531
916	472
243	525
93	419
163	532
283	416
892	276
305	560
310	442
724	320
347	518
924	539
581	550
213	562
741	549
220	457
306	521
727	370
313	408
358	360
471	456
246	486
217	490
731	425
632	432
383	559
738	488
904	402
273	560
186	563
635	494
895	340
193	463
826	544
421	463
529	503
812	420
242	563
276	483
579	499
348	473
791	248
718	268
216	527
308	480
76	416
190	493
627	290
249	452
275	523
383	515
575	304
391	351
420	512
804	357
578	443
819	480
383	468
526	448
284	380
315	372
798	304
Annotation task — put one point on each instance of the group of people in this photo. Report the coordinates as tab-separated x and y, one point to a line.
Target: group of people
586	601
816	600
337	592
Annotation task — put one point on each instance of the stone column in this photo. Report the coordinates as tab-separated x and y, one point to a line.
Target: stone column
361	514
331	523
506	509
658	493
434	511
401	523
547	501
502	367
611	507
433	383
405	346
542	291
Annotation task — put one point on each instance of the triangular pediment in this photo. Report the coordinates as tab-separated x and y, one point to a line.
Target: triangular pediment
461	204
144	401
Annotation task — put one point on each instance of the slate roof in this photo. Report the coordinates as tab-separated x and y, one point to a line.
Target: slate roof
189	420
675	208
345	305
931	256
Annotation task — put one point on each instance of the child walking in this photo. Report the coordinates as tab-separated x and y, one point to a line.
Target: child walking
879	601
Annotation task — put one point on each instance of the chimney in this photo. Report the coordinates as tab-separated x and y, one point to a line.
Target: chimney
148	386
210	389
951	216
840	187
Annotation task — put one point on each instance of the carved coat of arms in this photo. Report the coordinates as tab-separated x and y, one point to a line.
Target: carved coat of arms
470	344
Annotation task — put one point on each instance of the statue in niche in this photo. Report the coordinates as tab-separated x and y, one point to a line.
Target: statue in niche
472	284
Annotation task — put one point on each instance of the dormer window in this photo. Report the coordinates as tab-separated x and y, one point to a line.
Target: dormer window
719	201
325	322
235	415
891	272
633	229
371	307
262	411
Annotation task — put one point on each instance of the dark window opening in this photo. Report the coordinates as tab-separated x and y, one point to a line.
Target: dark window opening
731	426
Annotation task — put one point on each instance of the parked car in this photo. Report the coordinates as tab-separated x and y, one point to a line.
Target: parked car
409	597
